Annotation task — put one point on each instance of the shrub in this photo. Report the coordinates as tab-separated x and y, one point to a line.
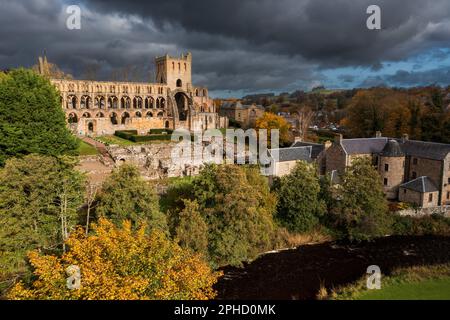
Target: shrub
434	224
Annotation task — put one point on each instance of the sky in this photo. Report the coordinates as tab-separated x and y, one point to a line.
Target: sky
239	47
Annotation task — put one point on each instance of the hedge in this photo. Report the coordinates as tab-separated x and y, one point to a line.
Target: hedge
132	135
125	134
136	138
160	131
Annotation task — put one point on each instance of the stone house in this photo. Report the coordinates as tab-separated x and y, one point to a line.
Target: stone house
283	160
245	115
421	168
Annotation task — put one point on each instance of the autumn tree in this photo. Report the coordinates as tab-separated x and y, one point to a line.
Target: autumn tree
119	263
270	121
39	199
378	109
361	210
126	196
31	117
299	205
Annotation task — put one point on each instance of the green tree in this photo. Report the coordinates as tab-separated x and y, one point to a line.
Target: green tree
39	199
299	206
361	211
192	230
237	206
31	117
126	196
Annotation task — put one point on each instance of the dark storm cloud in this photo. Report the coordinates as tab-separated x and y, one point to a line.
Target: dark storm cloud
439	76
330	32
247	45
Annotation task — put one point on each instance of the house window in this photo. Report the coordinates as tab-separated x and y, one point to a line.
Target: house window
414	160
385	181
386	167
430	197
448	194
376	160
448	181
404	191
414	174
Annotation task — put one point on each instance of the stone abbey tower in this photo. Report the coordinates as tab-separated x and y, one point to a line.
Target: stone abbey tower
172	101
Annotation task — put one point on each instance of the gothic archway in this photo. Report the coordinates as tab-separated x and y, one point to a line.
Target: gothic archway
182	101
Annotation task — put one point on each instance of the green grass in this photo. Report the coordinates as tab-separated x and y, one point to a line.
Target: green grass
413	283
433	289
85	149
115	140
110	139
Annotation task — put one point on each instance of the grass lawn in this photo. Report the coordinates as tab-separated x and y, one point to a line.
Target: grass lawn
413	283
433	289
115	140
111	139
85	149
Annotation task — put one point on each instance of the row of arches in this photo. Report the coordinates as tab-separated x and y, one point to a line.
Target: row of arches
93	87
73	117
113	102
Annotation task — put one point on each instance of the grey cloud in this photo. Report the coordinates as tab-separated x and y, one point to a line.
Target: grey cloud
237	45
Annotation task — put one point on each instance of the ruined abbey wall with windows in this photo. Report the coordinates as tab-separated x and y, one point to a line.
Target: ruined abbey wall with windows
172	102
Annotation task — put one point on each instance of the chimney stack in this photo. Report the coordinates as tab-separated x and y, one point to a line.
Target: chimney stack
405	137
378	134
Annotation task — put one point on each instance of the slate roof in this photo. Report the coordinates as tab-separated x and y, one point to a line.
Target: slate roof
420	149
316	148
423	149
292	154
364	145
392	149
421	184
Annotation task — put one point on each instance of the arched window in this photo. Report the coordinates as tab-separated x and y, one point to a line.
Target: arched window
179	83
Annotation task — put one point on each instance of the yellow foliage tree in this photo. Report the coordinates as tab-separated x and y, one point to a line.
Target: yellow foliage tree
119	264
271	121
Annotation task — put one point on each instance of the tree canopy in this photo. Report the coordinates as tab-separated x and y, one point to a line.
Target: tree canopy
120	263
126	196
31	117
271	121
360	211
299	205
39	199
237	206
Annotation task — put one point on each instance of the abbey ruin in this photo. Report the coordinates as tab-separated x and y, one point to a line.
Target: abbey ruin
101	107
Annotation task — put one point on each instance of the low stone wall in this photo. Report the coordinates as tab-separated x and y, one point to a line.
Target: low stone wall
444	210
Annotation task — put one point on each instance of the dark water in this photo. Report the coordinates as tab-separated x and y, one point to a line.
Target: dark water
299	273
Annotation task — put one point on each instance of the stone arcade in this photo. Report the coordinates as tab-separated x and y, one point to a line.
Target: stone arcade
102	107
